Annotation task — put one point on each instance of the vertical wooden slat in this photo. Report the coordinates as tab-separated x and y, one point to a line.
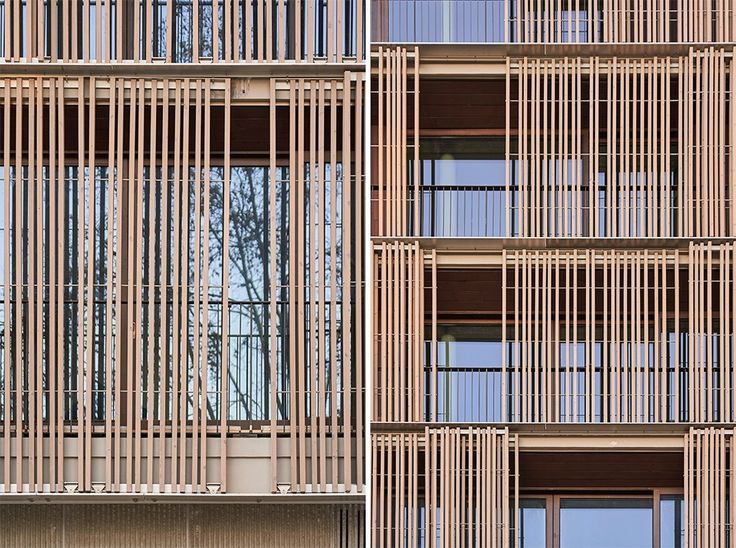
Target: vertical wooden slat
7	340
273	286
225	295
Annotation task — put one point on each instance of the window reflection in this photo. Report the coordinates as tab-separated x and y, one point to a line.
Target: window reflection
469	387
154	273
462	187
532	526
605	523
672	521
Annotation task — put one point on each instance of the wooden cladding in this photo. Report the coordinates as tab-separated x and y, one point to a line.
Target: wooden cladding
712	328
590	335
602	150
391	149
593	147
710	484
159	297
167	525
398	344
610	21
83	232
182	31
324	284
445	487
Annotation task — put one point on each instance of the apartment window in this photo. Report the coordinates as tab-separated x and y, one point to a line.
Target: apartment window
605	523
440	20
672	521
602	520
532	523
166	252
249	283
469	374
470	385
462	187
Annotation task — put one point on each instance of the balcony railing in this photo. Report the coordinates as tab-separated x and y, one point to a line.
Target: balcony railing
479	210
516	21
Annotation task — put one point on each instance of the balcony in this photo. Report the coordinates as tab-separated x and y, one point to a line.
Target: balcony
182	31
540	22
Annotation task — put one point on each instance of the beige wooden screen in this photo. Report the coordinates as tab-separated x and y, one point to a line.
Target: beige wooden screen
399	301
610	21
325	280
710	462
398	69
561	304
712	295
147	418
178	31
118	359
621	147
448	486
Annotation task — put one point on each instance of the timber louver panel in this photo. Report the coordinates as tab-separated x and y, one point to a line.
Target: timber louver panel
596	154
107	319
563	357
611	21
568	358
397	69
324	284
117	342
710	481
712	301
553	22
595	147
182	31
398	344
445	487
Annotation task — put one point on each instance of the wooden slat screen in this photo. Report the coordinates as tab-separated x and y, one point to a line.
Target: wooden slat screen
707	116
81	283
324	283
566	356
182	31
595	147
613	21
712	298
122	336
601	150
710	482
398	79
398	345
445	487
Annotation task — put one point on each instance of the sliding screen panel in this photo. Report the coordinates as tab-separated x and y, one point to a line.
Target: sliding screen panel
445	487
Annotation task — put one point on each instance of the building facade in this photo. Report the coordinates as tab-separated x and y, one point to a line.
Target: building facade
553	273
182	277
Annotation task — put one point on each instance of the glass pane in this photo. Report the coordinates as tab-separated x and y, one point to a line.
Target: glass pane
605	523
672	519
462	187
532	523
469	373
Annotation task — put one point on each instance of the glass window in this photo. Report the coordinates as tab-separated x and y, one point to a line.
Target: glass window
468	373
671	521
463	187
532	526
606	523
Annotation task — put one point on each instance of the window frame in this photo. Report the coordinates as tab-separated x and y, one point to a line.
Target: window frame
552	504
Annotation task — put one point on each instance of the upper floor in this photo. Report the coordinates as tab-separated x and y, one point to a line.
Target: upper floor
552	22
477	144
182	31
